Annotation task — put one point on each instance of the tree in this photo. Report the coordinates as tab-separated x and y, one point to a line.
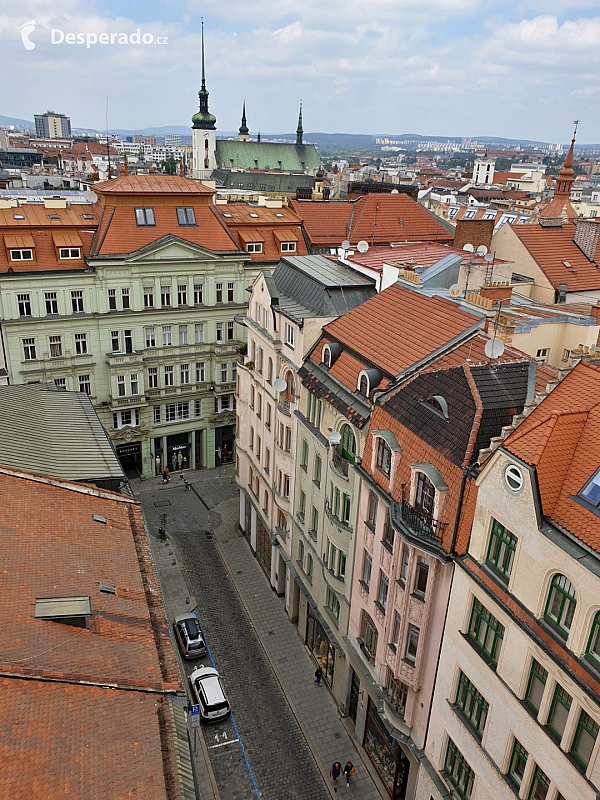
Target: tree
169	166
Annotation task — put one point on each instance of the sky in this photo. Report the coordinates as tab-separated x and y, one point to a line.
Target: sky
512	68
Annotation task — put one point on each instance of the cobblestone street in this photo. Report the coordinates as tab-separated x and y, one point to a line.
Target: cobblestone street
282	753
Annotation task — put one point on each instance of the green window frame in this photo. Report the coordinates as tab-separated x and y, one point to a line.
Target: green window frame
561	604
302	505
458	771
517	764
584	739
593	645
318	466
473	705
304	459
559	711
535	685
348	444
333	604
301	551
501	550
539	785
485	630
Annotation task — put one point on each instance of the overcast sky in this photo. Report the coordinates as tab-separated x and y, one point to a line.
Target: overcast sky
523	68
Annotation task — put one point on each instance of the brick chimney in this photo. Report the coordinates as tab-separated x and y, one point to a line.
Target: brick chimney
496	292
475	232
595	312
586	237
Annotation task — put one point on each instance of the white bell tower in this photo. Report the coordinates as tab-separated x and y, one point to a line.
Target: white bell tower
204	132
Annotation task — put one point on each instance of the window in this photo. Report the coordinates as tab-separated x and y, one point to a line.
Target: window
542	355
81	344
150	337
539	785
84	384
200	372
404	567
156	414
309	566
593	646
366	569
121	385
123	418
224	380
384	456
115	341
372	510
153	377
183	334
167	337
60	383
535	685
584	740
517	764
591	490
288	247
22	254
267	460
513	477
197	408
472	704
144	217
128	339
395	631
290	335
24	301
363	385
199	333
412	644
301	552
304	455
219	331
184	374
169	376
335	560
112	299
561	604
332	603
230	292
317	470
77	301
501	550
346	508
231	332
170	412
165	296
219	292
55	346
182	294
425	496
314	522
254	247
197	294
148	297
125	298
268	417
396	692
559	711
422	573
315	409
382	592
368	634
326	357
458	771
485	631
302	505
186	216
51	301
29	349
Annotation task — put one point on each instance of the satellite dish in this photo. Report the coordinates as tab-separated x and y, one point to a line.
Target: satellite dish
346	244
394	191
335	438
482	249
469	248
455	290
494	348
362	246
538	199
488	257
279	385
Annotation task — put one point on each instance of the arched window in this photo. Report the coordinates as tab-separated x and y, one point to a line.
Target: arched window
593	647
270	371
289	392
425	496
326	357
561	604
348	444
363	385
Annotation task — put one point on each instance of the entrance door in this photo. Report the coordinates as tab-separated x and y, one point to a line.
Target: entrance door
354	693
264	547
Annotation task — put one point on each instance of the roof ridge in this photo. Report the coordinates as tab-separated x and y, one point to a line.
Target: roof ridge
64	483
478	413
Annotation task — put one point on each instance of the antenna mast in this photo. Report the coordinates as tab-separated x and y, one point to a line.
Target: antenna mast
107	144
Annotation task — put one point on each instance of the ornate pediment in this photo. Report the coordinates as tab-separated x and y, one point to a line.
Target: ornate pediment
129	434
222	418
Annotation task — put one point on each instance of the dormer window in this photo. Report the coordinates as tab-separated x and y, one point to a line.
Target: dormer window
144	217
438	405
368	379
384	457
254	247
69	252
22	254
326	356
591	490
288	247
186	216
363	385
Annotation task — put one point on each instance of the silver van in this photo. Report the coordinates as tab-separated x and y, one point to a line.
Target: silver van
189	636
209	694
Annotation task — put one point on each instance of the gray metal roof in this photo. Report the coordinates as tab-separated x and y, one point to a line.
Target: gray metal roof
47	430
328	272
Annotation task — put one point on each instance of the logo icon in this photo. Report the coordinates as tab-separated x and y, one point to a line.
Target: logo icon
26	29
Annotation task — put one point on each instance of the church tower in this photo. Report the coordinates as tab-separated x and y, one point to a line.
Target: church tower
299	131
561	204
204	132
244	133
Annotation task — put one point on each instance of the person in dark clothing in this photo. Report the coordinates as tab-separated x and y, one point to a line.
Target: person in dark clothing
318	675
335	772
348	770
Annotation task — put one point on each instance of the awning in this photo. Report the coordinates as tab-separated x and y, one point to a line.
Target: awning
66	239
18	241
285	235
250	236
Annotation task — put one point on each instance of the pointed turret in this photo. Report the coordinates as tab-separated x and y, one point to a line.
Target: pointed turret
561	205
204	119
299	131
244	133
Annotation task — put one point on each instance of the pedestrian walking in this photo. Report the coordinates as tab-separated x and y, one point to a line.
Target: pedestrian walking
166	474
165	477
335	772
318	675
349	769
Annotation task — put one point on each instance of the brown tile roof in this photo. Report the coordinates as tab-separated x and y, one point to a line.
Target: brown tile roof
38	216
551	247
561	439
152	184
240	215
46	259
52	547
326	224
398	328
420	254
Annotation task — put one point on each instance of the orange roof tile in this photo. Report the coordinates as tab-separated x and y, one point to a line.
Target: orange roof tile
551	247
420	254
39	216
46	259
325	223
152	184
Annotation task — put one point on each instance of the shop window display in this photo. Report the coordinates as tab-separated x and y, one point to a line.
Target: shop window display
320	646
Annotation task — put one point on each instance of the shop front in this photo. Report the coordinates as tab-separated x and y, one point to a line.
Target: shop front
385	754
130	456
224	445
320	646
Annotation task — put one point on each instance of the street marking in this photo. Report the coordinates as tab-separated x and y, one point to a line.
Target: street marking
222	744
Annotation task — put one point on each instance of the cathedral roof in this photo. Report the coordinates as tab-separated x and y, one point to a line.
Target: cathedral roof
267	155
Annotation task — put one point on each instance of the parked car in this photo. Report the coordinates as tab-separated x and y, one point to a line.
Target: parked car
209	694
189	636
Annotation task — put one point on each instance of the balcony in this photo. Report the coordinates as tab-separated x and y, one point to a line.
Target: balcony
285	407
340	464
419	524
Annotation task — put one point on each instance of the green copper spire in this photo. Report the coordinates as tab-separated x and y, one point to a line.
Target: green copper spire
203	119
299	131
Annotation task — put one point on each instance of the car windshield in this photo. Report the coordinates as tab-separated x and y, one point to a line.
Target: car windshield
192	628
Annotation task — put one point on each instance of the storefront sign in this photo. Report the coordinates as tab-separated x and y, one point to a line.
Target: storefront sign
175	448
129	449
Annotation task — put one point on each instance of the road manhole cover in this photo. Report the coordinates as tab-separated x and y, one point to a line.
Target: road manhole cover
162	503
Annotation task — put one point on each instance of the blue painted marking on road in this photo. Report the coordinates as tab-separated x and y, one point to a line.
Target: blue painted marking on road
235	727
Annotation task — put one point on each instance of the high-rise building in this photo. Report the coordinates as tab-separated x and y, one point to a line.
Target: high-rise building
139	139
173	139
52	125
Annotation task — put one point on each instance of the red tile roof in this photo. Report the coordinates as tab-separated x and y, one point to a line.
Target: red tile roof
561	439
152	184
325	223
46	259
551	247
419	254
39	216
268	225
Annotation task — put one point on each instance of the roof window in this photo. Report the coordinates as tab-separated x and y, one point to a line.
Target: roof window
18	216
438	405
87	216
68	610
99	518
278	214
255	216
229	216
591	490
186	216
144	217
53	216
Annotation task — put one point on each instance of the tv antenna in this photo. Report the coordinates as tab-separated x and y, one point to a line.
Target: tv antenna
362	246
107	144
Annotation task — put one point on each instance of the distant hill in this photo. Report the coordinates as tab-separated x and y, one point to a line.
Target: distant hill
18	123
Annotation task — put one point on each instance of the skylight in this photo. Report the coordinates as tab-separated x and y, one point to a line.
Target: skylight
254	215
69	610
229	216
591	490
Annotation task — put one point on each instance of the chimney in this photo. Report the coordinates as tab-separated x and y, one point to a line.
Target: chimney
586	237
475	232
496	292
595	312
